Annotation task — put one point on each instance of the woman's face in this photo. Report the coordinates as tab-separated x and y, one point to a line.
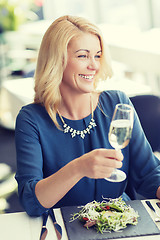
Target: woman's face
83	64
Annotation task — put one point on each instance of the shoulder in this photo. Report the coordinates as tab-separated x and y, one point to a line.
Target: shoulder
31	110
32	107
113	97
32	114
108	100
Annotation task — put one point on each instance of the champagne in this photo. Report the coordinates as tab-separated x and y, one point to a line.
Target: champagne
120	133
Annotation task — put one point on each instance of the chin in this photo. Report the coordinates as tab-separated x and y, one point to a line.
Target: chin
88	88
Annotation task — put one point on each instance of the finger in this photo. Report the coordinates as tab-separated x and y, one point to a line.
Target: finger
109	153
102	173
111	163
109	158
116	154
112	153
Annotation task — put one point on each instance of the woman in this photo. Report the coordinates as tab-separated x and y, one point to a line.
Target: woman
63	153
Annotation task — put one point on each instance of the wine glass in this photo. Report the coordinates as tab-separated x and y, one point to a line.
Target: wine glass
120	133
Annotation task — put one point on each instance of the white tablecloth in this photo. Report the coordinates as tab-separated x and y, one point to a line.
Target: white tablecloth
20	226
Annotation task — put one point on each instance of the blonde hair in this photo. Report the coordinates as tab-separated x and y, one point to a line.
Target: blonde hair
52	60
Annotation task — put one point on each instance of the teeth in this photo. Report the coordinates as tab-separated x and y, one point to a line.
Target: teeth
86	77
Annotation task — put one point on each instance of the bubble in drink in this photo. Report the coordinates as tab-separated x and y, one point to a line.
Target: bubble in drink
120	133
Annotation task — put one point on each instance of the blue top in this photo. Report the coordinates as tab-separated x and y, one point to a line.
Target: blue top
42	149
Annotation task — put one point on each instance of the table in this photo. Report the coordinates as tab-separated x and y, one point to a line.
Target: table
19	92
15	93
20	226
127	44
140	50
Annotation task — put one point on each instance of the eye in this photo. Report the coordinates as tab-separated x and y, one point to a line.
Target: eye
98	56
82	56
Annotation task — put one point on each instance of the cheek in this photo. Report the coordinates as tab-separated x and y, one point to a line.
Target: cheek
98	64
68	74
76	65
70	68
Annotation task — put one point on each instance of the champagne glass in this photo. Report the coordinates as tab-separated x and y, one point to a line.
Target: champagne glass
120	133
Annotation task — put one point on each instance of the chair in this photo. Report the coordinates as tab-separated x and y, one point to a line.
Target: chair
148	110
8	184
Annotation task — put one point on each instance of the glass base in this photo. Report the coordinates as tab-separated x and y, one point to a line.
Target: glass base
117	176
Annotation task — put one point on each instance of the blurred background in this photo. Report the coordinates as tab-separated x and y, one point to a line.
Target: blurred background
131	29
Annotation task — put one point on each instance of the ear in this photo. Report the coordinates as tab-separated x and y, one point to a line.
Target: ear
64	61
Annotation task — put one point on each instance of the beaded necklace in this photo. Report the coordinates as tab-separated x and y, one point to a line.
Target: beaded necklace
82	133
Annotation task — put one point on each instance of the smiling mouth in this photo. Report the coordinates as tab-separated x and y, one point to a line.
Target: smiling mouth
89	77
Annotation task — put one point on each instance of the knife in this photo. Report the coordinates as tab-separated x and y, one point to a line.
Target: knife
57	227
44	230
151	207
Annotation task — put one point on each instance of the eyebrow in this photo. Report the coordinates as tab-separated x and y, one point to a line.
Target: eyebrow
86	50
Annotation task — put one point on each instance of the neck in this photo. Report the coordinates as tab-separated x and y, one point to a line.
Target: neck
74	132
75	108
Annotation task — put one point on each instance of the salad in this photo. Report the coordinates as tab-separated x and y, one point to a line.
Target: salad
106	216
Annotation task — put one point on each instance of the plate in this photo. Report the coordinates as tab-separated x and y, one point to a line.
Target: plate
76	230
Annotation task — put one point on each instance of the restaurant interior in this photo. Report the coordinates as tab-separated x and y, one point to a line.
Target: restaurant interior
131	29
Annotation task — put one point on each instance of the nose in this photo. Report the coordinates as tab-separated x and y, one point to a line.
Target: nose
93	64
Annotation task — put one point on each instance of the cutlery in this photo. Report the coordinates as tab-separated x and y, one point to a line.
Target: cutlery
157	219
44	230
57	227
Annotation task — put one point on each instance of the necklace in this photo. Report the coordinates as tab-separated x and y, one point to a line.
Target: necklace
82	133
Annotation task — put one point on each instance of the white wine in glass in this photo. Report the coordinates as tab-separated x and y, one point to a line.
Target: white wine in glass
120	133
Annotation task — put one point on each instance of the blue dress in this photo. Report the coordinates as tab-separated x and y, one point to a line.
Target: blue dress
42	150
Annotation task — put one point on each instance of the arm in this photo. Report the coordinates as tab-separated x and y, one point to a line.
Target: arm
98	163
144	167
144	171
158	192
